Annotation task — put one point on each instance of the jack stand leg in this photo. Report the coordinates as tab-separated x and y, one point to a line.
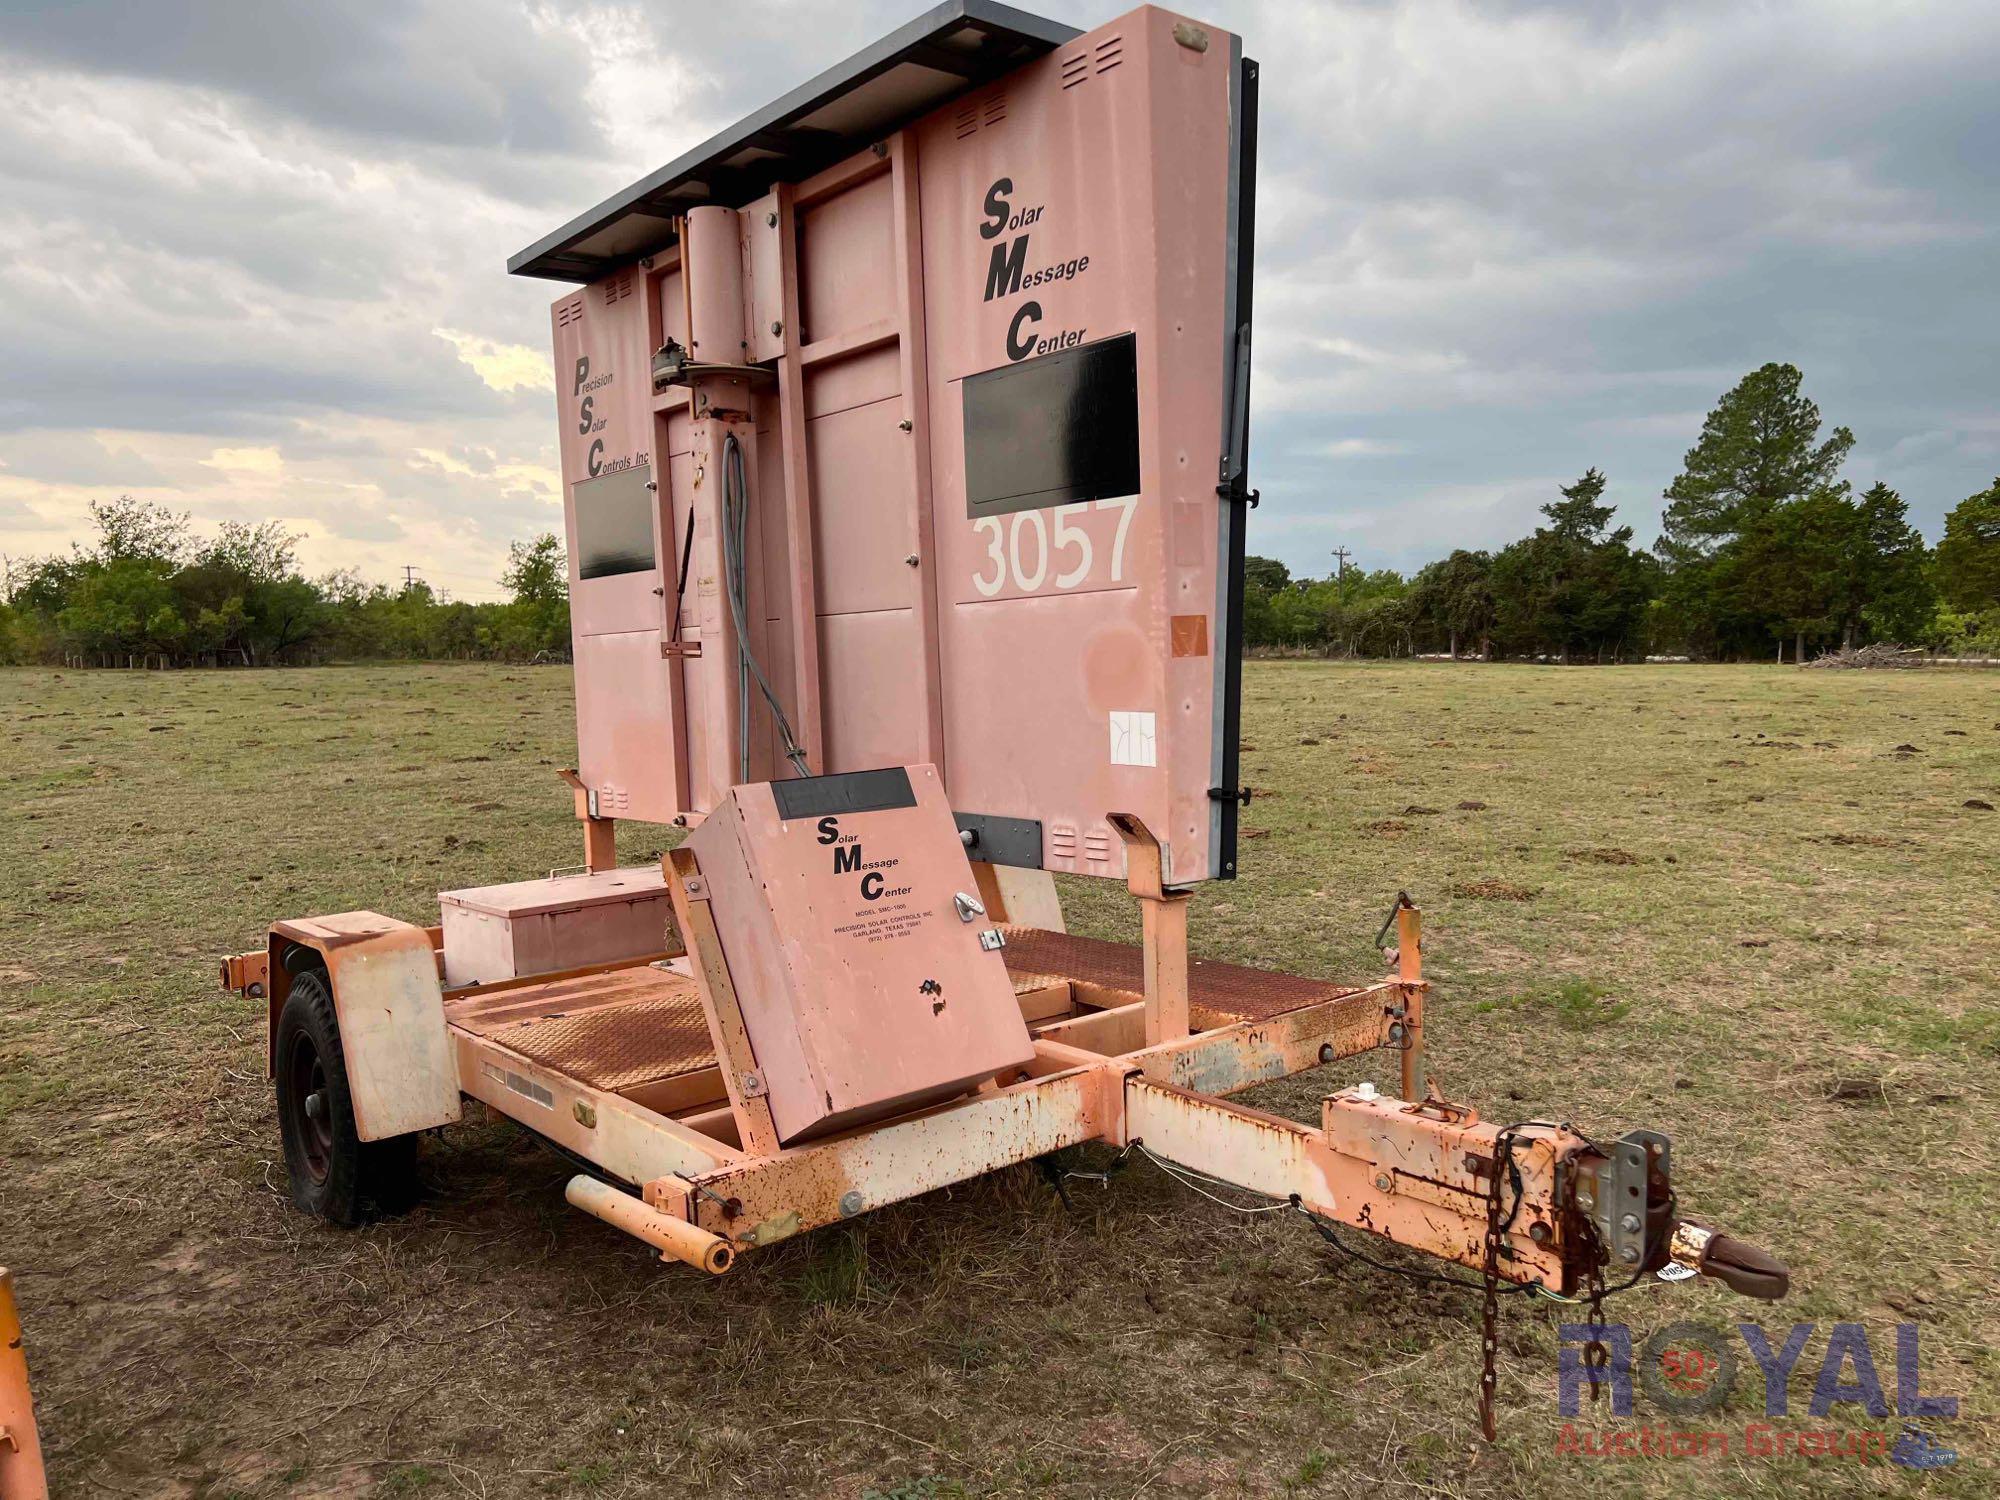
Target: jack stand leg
1410	972
600	835
1164	915
1052	1173
21	1473
1166	962
600	844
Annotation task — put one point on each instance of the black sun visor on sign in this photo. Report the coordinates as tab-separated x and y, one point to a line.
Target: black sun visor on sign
614	523
1053	430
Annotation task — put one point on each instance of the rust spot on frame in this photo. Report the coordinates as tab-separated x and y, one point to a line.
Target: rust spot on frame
1189	635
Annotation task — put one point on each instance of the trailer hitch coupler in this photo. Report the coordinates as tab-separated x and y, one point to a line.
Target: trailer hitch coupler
1739	1265
665	1233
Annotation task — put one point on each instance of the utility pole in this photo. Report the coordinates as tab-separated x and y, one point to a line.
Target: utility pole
1341	555
410	576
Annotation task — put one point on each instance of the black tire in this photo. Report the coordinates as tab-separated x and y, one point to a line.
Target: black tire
335	1175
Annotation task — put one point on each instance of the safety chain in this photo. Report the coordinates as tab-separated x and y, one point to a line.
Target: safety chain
1595	1354
1489	1315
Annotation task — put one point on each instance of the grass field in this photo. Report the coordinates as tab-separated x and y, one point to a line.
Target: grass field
1719	901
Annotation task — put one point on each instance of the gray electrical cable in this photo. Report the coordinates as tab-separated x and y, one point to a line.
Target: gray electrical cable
736	586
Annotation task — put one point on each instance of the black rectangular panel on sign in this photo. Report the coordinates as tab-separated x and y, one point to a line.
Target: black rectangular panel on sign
843	792
1053	430
614	523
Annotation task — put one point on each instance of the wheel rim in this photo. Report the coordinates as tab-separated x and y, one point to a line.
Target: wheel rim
309	1106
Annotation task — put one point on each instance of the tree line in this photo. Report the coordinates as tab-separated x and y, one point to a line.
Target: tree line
146	591
1764	548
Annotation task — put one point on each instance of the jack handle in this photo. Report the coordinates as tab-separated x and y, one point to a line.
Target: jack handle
1739	1265
1401	904
672	1237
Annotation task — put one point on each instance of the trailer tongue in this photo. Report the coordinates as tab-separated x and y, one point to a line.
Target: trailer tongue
904	444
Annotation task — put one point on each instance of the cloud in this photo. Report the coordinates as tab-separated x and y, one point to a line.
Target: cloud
445	72
251	258
504	367
262	463
1358	447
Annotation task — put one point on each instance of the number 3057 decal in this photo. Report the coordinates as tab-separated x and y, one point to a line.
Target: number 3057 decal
1027	550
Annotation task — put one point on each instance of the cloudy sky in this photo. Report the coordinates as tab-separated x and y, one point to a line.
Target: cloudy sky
251	254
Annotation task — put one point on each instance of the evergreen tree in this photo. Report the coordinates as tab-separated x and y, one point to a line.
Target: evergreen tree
1577	517
1759	448
1453	598
1968	558
1574	586
1724	540
1892	597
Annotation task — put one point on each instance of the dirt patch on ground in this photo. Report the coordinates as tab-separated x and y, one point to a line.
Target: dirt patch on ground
1493	890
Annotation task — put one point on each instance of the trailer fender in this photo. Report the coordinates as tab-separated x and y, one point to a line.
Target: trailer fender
390	1008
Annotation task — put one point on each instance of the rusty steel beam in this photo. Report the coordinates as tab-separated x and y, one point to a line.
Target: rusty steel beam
247	973
628	1140
761	1201
1163	918
1396	1170
1232	1058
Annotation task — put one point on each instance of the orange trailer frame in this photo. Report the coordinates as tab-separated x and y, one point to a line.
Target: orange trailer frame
687	1135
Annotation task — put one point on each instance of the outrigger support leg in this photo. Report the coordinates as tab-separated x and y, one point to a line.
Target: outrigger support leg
600	835
1163	915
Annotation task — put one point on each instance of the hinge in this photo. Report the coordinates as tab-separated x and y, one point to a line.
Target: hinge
1229	794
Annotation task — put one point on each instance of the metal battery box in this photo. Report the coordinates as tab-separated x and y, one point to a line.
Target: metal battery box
564	922
869	979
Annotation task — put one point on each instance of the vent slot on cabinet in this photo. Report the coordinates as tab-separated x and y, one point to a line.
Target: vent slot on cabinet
1075	69
569	313
982	113
1110	53
618	288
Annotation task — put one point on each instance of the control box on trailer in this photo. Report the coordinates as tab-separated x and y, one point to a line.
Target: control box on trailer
869	979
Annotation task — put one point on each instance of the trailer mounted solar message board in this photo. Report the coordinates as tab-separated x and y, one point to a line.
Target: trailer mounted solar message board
925	388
